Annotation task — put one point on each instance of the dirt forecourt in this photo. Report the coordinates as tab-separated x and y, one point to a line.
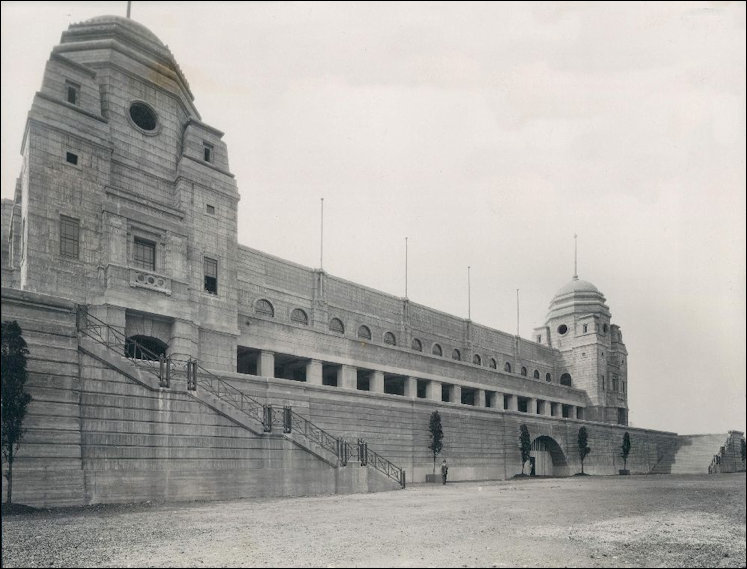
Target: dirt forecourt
594	521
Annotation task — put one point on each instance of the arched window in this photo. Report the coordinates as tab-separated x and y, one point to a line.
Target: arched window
336	325
145	348
264	307
523	371
536	374
456	355
548	377
507	367
390	339
437	351
364	332
417	345
565	379
493	364
477	360
299	316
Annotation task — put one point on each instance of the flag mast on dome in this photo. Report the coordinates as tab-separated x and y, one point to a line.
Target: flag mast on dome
575	257
129	5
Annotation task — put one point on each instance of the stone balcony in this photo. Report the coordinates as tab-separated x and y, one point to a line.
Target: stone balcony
145	279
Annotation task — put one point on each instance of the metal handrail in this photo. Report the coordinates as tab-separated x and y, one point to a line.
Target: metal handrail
179	366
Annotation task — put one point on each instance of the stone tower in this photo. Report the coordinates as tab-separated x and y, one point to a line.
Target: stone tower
125	201
592	353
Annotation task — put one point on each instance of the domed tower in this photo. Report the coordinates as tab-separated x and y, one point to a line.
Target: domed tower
126	201
592	355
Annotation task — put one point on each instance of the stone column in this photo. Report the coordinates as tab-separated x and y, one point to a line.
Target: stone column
456	394
267	364
377	382
184	339
513	402
532	406
347	377
498	401
433	390
411	387
480	398
313	372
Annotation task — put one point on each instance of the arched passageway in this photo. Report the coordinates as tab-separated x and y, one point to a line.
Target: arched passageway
142	347
548	457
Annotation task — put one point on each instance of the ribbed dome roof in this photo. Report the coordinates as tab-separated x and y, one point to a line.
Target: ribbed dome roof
579	297
577	285
128	23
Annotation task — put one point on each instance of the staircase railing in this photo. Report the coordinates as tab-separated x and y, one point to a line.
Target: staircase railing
183	366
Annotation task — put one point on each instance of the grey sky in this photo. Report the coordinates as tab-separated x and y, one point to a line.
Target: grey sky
488	134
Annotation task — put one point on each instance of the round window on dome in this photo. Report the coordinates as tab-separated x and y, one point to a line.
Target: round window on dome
562	329
143	116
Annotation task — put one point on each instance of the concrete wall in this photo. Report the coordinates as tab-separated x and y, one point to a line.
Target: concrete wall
96	436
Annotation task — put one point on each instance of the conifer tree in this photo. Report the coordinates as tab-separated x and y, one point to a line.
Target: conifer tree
525	443
583	448
13	398
437	435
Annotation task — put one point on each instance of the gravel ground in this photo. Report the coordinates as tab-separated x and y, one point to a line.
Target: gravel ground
634	521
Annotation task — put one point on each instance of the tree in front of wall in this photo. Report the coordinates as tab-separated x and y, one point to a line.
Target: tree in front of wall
743	449
583	447
13	398
437	436
625	450
525	444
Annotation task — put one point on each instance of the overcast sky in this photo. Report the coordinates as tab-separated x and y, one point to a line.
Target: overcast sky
488	134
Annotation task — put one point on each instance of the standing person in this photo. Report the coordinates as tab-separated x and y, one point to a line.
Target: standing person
444	471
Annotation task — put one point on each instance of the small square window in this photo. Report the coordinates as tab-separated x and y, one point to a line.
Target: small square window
69	237
211	275
145	254
207	152
210	209
71	158
72	93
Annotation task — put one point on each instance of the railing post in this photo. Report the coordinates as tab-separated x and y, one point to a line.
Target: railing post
164	365
402	479
363	452
267	421
287	419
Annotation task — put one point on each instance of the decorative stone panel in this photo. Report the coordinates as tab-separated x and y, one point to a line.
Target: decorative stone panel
151	281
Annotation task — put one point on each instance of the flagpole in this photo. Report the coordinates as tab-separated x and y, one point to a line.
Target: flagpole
469	295
321	240
405	267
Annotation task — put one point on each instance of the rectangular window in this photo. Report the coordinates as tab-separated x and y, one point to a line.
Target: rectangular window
539	339
69	237
207	152
145	254
71	158
586	328
72	92
211	275
210	209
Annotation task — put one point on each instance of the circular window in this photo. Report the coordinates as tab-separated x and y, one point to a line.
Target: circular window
143	116
562	329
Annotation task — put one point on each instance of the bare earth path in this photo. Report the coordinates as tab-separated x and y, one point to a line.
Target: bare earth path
636	521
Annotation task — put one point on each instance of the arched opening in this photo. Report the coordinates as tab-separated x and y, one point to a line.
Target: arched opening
493	364
436	351
364	332
477	360
507	367
536	374
547	457
336	325
141	347
390	339
299	317
417	345
264	307
523	371
565	379
456	355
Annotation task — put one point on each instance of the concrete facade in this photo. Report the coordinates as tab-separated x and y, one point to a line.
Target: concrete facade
126	206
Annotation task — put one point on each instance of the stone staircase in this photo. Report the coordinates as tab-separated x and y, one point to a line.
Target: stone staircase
695	453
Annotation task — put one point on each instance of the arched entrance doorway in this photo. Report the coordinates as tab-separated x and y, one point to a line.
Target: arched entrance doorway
548	457
142	347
